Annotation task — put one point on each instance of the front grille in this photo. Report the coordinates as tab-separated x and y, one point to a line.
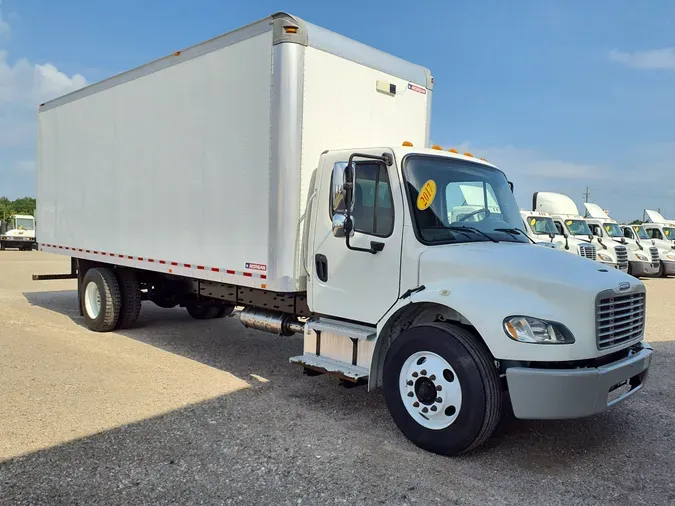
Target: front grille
619	318
654	251
622	257
588	251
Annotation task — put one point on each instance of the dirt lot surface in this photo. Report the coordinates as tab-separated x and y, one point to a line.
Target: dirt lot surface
179	411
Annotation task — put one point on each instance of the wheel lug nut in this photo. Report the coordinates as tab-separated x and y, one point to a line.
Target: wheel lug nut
410	394
410	383
438	399
432	377
433	408
414	375
425	410
416	404
439	387
424	372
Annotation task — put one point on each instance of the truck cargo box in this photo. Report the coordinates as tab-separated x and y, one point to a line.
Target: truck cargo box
199	163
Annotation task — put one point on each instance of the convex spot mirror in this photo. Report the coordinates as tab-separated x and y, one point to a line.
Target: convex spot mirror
342	199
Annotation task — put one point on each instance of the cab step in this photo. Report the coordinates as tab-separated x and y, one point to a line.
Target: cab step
340	328
332	367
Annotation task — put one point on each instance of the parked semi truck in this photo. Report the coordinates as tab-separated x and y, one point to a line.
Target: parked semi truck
18	233
662	233
641	262
302	154
540	226
666	255
568	221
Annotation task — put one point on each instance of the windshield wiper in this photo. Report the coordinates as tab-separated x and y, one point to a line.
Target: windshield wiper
514	232
471	229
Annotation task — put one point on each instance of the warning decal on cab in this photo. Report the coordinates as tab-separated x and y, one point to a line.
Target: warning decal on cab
427	194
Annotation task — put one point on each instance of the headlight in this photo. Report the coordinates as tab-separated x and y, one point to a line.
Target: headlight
670	256
605	258
642	257
525	329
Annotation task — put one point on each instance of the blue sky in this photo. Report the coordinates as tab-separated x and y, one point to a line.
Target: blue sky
562	94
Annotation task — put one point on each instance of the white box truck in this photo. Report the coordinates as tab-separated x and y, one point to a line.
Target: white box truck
18	233
280	170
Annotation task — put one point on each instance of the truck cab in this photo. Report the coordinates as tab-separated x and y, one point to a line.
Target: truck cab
637	262
639	241
542	227
20	233
662	233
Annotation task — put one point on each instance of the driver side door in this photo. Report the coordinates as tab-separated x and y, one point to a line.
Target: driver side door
357	285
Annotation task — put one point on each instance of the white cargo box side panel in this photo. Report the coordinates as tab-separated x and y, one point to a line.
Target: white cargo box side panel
172	165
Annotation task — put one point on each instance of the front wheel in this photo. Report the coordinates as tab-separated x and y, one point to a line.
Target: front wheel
442	388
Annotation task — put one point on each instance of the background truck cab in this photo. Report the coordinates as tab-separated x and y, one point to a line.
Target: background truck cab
19	233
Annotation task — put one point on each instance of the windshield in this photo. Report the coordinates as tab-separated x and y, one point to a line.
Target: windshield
640	232
460	201
578	227
613	230
542	225
24	224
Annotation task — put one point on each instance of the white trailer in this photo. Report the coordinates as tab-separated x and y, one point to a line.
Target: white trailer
19	233
276	151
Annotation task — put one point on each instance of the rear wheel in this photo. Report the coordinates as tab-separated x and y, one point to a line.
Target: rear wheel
442	388
101	299
130	292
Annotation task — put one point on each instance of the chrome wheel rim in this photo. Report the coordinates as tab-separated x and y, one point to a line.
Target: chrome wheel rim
92	300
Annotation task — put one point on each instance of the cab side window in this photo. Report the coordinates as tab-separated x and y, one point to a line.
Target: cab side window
373	204
595	229
654	233
559	227
627	232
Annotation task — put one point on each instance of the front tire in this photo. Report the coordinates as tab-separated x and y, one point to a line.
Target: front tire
101	299
442	388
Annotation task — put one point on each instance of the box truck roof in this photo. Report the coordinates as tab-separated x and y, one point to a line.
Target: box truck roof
285	28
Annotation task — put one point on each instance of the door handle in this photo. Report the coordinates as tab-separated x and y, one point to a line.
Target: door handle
321	263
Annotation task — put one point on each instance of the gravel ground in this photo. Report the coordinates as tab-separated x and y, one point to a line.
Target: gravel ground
185	412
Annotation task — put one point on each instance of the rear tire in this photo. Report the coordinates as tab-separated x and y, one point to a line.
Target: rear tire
130	291
101	299
468	405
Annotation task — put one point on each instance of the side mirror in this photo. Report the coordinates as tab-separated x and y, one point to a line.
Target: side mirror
340	225
511	186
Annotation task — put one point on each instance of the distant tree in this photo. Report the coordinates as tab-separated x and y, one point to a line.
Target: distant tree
636	222
24	205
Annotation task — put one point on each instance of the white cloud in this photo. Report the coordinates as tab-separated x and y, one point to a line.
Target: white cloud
23	86
651	59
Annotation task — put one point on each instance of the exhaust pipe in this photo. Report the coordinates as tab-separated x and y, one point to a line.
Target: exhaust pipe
271	321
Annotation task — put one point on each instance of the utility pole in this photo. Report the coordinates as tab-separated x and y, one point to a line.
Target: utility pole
587	194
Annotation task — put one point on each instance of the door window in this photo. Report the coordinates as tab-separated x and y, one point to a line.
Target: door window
654	233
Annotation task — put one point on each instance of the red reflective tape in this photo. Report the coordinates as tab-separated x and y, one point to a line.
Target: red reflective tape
200	267
150	260
60	247
215	269
187	265
162	262
140	258
230	272
248	274
130	257
174	263
88	251
95	252
121	256
80	250
263	276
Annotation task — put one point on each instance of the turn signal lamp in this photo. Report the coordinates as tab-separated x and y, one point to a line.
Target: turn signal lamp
291	29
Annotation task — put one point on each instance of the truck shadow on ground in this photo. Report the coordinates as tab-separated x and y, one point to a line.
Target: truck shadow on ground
292	418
